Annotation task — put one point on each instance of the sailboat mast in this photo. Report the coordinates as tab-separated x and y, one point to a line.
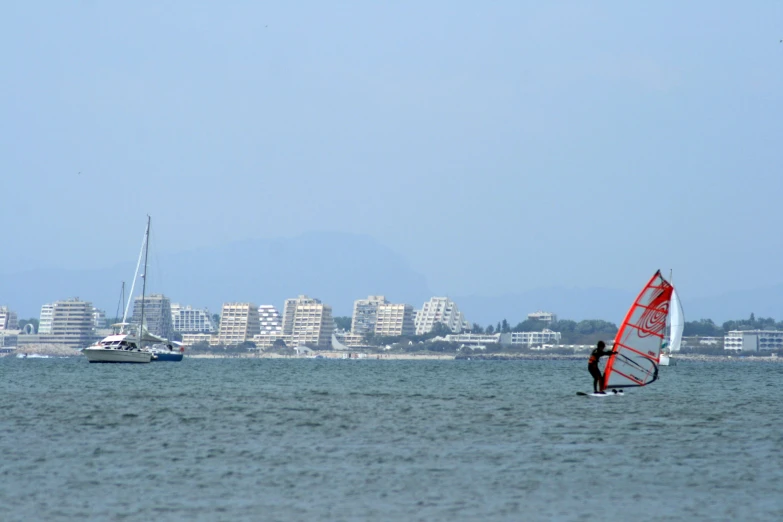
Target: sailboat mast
119	305
144	280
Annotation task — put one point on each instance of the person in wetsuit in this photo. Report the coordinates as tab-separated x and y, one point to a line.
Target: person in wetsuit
592	365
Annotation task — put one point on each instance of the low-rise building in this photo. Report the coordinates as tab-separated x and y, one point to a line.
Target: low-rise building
9	338
544	317
266	340
753	340
473	339
351	340
531	338
189	339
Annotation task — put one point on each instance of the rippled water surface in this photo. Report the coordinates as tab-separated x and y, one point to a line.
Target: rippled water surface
386	440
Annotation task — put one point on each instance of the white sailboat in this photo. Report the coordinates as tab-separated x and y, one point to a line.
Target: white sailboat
676	327
123	346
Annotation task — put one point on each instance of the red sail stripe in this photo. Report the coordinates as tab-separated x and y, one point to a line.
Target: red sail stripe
649	332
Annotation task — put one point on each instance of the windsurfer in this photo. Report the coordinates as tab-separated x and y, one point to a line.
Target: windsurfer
592	365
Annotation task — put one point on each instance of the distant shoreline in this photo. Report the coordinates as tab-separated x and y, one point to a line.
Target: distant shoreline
358	355
477	357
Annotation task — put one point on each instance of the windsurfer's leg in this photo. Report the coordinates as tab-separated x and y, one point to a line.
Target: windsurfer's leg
596	373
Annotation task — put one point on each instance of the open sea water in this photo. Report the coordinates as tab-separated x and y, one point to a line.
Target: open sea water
385	440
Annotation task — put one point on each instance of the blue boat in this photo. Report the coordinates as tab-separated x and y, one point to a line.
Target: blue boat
169	352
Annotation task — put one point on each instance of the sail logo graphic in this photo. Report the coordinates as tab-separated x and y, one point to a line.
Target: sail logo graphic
653	320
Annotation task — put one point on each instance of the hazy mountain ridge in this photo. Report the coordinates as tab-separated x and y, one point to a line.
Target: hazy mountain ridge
334	267
612	304
337	268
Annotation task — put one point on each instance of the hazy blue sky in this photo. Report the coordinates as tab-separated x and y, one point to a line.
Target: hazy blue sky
499	146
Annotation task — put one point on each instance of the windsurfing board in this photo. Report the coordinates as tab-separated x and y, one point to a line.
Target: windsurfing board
609	393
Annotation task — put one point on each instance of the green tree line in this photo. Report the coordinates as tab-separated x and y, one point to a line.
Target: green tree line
707	328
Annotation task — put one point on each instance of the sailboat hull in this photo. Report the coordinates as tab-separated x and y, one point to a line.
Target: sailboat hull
665	359
103	355
167	357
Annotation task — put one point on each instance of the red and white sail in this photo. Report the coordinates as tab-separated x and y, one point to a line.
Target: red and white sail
638	342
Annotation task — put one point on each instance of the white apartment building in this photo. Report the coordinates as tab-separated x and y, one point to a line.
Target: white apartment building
289	310
364	314
307	321
270	327
45	320
544	317
187	319
393	320
98	319
238	323
473	340
532	338
753	340
68	323
8	319
269	319
440	310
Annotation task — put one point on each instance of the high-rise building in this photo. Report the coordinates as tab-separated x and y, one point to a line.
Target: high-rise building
364	313
191	320
394	320
238	323
98	319
270	327
8	319
45	320
70	324
307	321
269	319
289	310
157	314
440	310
